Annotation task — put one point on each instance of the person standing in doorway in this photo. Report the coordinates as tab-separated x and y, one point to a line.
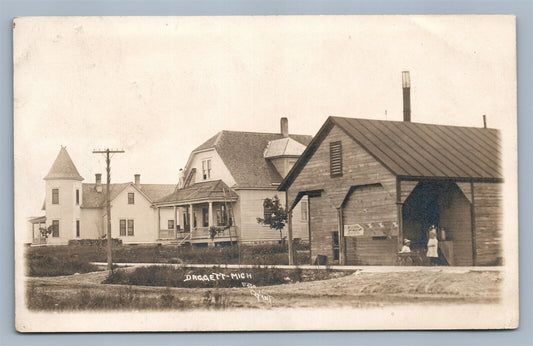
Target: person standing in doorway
433	245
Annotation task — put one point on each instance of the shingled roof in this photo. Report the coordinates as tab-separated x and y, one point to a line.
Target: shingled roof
242	153
215	190
63	167
93	199
409	149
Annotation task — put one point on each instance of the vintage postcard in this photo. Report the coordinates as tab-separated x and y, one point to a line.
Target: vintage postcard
265	173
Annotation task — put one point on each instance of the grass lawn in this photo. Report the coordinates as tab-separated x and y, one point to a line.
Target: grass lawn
68	260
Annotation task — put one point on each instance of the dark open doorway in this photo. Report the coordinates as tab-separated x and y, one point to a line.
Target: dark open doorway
443	204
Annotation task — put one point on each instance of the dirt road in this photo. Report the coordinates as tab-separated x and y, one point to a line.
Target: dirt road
361	289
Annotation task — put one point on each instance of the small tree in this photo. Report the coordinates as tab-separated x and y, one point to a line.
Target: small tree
46	231
275	215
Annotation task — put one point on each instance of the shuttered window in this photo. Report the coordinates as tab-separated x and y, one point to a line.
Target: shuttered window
335	159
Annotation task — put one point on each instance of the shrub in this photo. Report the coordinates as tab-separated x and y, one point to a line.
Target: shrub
94	242
168	276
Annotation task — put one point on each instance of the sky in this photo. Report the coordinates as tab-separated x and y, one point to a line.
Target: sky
157	87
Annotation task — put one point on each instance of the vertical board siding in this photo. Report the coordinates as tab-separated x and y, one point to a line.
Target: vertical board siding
457	222
324	221
359	168
406	188
466	189
488	220
375	210
368	251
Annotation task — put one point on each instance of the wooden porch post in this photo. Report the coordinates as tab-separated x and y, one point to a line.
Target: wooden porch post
175	222
191	217
210	222
342	247
210	214
473	224
399	208
291	250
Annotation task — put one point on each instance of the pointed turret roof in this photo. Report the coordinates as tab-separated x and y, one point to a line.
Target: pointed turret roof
63	168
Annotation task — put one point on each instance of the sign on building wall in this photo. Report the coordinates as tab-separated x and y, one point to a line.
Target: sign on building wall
355	230
385	228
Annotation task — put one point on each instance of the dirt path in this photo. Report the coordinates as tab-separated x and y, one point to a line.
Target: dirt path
361	289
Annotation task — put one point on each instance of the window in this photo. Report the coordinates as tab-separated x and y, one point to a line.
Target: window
267	214
379	237
222	219
55	196
304	210
130	228
77	228
335	159
170	224
205	217
77	197
186	221
55	228
206	169
126	228
122	227
131	198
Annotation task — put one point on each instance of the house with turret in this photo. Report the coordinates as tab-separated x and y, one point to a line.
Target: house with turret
222	187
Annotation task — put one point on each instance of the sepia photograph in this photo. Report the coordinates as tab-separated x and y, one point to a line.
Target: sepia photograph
250	173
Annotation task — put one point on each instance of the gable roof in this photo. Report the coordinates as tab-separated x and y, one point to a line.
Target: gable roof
418	150
242	153
93	199
63	167
209	190
157	191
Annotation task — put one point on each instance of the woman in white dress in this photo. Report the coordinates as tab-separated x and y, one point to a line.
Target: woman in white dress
433	245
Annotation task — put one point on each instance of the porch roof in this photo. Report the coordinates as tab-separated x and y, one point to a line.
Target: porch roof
214	191
37	219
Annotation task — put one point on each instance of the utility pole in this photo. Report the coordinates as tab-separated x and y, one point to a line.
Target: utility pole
107	153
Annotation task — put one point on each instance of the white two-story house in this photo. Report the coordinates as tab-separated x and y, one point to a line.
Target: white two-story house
224	184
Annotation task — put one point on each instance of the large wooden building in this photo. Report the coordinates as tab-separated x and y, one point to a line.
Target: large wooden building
371	184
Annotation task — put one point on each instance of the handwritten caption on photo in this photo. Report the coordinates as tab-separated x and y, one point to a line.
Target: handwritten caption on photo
258	294
217	277
267	298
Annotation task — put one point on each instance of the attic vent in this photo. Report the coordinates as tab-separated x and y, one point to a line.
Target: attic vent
335	159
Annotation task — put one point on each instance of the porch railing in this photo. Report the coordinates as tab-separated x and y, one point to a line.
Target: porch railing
167	234
203	233
39	241
198	233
